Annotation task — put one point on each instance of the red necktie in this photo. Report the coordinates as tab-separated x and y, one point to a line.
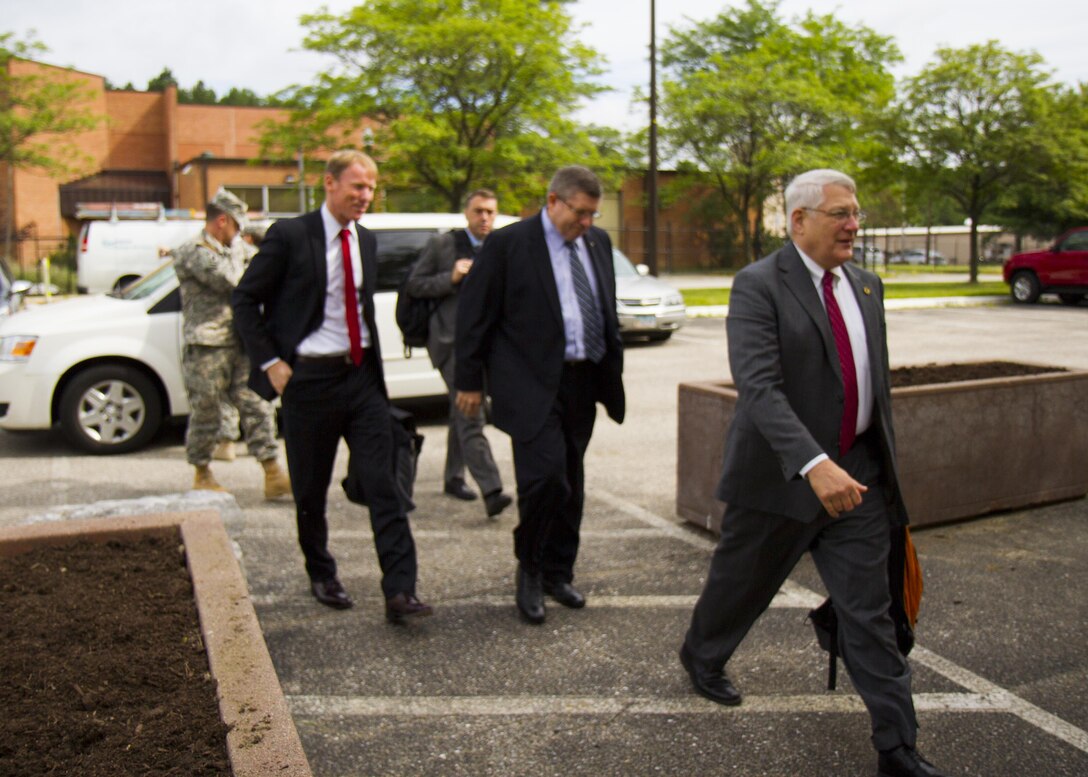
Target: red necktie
846	361
351	301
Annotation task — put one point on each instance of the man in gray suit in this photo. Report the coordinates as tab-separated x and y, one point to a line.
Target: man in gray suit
810	462
442	265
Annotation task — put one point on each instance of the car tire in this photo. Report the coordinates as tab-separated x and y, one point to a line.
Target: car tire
1024	288
1070	299
110	409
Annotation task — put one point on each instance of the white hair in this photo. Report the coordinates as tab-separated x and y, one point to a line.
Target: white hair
807	190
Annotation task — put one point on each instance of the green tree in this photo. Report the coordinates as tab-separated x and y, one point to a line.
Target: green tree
464	93
973	129
750	100
37	111
198	95
161	81
1053	195
242	97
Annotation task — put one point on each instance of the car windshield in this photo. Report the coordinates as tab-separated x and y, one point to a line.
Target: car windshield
622	265
149	284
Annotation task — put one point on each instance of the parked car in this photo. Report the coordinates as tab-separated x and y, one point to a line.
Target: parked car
646	306
869	255
917	256
11	290
1062	269
107	368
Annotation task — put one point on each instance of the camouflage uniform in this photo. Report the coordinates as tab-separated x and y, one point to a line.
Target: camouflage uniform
214	366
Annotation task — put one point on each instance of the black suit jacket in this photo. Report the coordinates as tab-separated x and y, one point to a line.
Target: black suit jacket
790	392
281	297
510	326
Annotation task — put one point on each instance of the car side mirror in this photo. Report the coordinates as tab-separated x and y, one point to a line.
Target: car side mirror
642	269
19	288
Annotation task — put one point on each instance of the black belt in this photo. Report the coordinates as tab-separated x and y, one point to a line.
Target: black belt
336	359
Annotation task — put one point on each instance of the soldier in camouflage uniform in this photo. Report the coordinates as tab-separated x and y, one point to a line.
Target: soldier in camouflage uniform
214	366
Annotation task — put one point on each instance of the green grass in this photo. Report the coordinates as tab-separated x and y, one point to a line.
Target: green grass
900	290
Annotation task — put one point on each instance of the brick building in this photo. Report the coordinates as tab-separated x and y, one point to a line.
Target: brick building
147	148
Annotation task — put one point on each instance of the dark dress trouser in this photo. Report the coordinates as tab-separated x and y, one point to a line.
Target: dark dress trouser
321	404
551	478
466	443
756	553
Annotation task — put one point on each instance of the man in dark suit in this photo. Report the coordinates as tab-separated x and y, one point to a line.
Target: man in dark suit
537	319
810	462
305	312
442	266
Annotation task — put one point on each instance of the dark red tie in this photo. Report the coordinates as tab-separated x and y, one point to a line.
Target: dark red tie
846	361
351	302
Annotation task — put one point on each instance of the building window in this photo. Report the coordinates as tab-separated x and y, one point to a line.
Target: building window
274	201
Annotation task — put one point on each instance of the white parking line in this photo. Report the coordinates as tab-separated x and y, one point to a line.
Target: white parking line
483	706
999	697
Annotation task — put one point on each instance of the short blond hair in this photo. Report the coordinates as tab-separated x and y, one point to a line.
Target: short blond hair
344	158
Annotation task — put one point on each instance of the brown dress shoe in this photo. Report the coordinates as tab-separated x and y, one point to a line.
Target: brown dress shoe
405	605
331	594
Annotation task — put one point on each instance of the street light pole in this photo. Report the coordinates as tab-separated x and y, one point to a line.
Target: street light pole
651	182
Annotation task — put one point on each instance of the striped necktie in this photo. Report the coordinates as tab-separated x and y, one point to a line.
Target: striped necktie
592	324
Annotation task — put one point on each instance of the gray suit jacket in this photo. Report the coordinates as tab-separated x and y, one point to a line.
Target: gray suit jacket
430	279
790	392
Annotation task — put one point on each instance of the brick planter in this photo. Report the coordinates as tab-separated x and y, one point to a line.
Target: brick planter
965	449
262	739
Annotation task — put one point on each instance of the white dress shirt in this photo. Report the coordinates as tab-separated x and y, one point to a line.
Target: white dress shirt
331	338
859	345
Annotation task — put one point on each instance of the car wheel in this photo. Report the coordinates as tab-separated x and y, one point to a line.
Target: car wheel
110	409
1024	288
1071	299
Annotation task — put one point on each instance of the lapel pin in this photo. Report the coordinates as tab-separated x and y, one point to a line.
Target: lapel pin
866	290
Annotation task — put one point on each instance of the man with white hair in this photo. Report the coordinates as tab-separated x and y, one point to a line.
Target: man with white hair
810	462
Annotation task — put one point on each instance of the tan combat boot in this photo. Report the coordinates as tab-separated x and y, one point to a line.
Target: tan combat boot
204	480
224	451
276	482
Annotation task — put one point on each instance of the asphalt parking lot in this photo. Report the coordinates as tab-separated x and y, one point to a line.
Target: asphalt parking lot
1000	671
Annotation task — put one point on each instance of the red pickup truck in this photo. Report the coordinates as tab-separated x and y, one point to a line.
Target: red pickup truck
1062	269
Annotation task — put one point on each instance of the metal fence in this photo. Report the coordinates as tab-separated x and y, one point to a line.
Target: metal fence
28	255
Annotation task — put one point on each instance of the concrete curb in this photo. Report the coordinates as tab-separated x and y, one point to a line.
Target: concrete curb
914	303
262	738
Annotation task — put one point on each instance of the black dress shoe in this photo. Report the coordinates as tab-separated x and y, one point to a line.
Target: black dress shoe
905	761
458	490
564	593
711	683
405	605
331	594
496	502
530	597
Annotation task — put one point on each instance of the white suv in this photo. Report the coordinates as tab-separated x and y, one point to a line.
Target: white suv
108	368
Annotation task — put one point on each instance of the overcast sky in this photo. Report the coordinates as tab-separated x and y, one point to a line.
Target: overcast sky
256	44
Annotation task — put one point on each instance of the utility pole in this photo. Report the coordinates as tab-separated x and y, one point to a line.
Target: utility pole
651	174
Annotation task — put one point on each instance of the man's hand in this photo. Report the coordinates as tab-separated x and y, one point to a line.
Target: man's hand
460	270
278	375
836	490
468	402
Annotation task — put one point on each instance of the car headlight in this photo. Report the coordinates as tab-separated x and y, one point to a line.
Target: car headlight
17	348
675	299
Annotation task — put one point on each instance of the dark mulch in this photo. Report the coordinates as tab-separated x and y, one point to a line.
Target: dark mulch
955	373
102	667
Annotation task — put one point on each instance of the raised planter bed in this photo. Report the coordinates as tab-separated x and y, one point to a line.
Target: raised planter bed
261	738
966	447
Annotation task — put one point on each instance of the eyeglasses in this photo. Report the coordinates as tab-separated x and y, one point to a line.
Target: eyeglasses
842	216
580	214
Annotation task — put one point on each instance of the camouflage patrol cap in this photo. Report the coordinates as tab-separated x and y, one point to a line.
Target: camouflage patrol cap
232	206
